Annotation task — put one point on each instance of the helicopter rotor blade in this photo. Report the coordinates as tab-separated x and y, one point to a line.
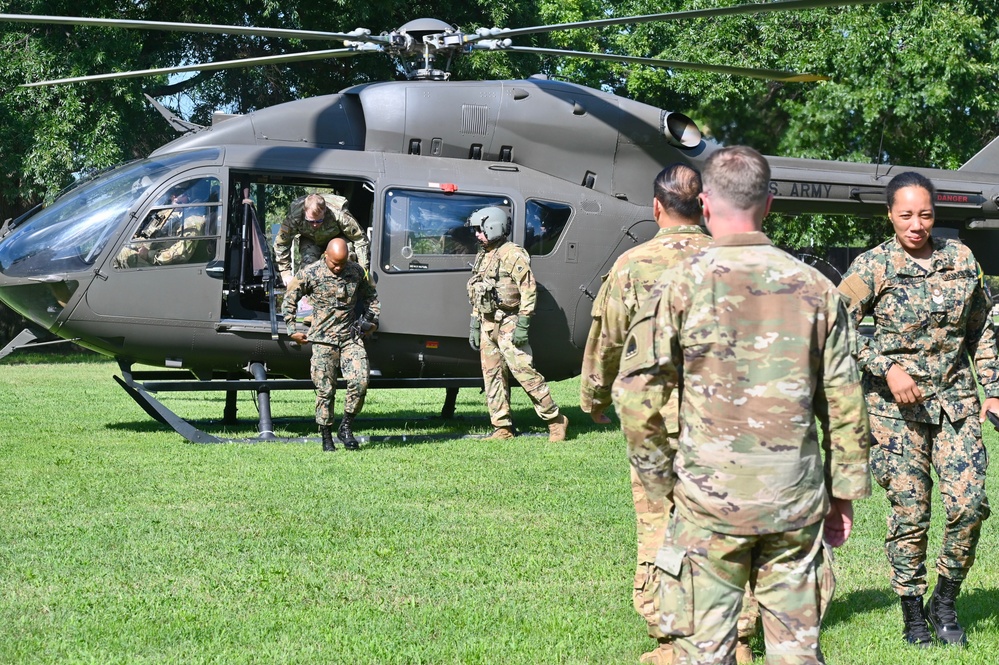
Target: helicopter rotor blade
225	64
749	72
754	8
362	34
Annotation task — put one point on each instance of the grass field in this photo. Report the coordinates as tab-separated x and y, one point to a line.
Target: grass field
122	543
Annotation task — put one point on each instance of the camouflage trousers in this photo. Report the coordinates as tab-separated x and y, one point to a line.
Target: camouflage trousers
328	361
652	516
500	358
309	251
704	577
902	455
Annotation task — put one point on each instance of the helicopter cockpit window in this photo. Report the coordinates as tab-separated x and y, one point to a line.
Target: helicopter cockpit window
545	222
426	231
182	227
70	234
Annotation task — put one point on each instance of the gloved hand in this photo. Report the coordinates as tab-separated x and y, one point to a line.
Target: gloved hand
474	332
520	333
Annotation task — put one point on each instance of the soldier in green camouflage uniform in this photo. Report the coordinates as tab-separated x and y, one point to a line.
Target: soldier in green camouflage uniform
174	232
335	284
677	212
931	323
502	292
316	219
760	344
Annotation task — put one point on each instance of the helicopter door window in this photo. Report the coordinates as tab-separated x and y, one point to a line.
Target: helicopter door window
182	228
426	231
546	220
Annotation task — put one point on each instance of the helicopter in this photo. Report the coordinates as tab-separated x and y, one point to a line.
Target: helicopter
414	158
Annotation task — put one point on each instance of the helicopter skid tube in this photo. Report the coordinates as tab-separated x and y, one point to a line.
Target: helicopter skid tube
140	384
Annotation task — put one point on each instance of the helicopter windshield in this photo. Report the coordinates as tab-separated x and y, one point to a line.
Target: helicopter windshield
69	235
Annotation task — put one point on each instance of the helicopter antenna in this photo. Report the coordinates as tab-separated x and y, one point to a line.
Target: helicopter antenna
181	125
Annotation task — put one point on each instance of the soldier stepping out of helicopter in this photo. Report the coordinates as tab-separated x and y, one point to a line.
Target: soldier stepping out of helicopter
502	292
335	284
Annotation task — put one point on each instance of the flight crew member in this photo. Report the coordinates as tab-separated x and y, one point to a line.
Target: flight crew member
335	285
503	294
931	324
677	211
760	345
316	219
176	226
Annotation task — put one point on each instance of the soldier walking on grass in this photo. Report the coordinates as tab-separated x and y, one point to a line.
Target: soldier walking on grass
760	345
503	293
335	284
677	211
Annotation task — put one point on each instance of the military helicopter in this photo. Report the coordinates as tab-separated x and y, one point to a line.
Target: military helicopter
414	158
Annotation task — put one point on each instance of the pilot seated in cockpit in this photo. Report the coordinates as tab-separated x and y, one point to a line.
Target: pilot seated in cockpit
167	235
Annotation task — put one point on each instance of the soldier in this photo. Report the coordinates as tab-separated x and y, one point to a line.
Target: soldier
677	212
760	345
316	219
335	284
502	293
931	323
172	230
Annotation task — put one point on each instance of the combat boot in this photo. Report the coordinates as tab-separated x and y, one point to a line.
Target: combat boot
661	655
345	434
328	445
502	433
557	428
916	631
942	613
743	652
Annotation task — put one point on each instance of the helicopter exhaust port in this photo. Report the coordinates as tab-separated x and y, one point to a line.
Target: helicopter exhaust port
679	130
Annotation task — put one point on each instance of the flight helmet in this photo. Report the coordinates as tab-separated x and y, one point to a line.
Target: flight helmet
494	222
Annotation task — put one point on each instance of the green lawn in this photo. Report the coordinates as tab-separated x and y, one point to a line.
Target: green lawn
122	543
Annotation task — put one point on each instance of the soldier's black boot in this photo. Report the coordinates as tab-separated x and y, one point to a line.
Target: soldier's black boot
345	434
916	631
942	613
327	434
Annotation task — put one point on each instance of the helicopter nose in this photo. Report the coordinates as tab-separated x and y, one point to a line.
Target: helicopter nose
39	299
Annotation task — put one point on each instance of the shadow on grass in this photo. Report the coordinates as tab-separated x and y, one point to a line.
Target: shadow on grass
380	430
858	602
975	606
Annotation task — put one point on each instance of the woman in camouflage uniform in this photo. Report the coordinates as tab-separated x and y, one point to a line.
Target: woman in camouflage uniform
931	323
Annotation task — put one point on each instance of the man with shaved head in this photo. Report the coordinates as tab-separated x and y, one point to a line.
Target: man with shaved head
335	285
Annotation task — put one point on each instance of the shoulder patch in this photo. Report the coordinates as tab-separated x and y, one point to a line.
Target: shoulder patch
639	352
855	288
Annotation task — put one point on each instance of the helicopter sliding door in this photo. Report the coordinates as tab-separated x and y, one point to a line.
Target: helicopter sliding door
426	253
159	272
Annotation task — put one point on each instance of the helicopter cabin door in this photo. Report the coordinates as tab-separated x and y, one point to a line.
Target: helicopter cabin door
160	270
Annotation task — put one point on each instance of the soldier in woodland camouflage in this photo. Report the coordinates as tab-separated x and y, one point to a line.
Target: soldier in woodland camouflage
931	324
677	212
316	219
503	293
760	345
335	284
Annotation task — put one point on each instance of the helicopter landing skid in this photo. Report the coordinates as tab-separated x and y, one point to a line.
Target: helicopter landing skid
139	385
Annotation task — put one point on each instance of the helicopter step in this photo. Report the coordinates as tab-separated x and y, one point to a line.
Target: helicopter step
140	384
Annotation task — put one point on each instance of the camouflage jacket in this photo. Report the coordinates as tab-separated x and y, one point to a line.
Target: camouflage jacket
933	324
502	279
337	222
761	346
624	289
333	298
